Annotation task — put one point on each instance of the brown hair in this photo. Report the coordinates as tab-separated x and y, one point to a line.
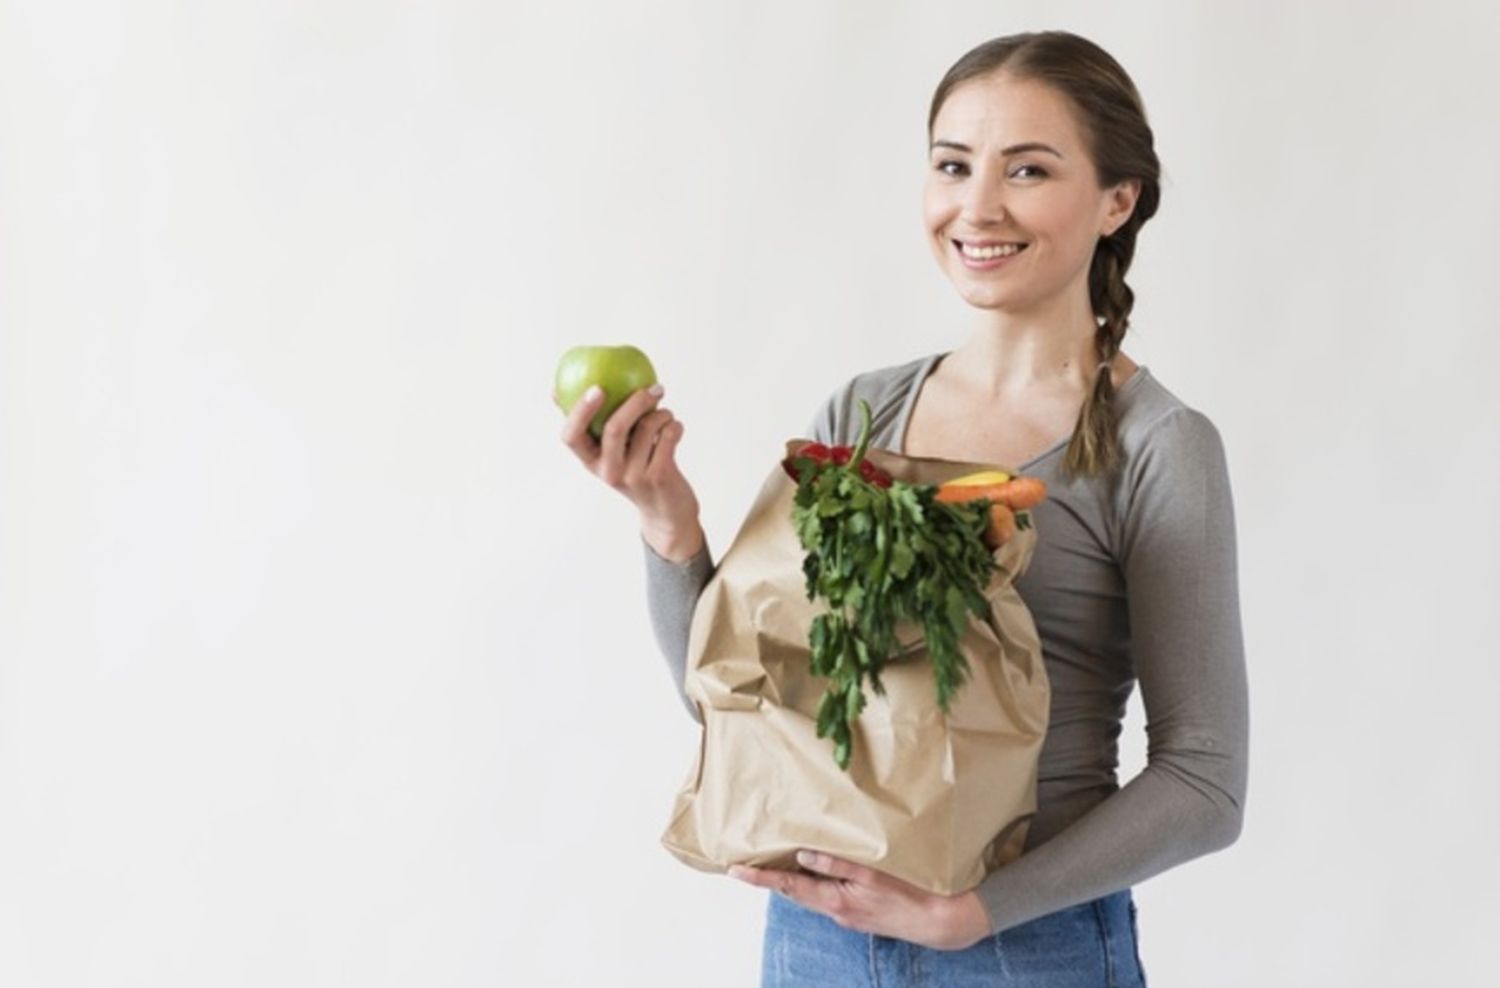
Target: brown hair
1120	144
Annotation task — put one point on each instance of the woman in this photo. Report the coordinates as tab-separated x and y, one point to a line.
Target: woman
1042	172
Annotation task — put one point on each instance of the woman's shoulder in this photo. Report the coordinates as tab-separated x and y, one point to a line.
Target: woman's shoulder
891	381
885	388
1159	432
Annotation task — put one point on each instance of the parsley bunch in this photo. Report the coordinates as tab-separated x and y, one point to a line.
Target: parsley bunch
877	555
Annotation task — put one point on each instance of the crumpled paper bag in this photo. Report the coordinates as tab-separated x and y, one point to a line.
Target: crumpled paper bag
938	801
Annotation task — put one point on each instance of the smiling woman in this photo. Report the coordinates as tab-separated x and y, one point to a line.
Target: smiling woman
1070	196
1041	174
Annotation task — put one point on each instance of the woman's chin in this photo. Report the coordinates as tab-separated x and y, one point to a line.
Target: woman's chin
982	297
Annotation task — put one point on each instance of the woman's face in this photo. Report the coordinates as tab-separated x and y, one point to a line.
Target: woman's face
1009	165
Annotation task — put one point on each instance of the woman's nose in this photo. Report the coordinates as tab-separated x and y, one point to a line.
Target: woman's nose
985	197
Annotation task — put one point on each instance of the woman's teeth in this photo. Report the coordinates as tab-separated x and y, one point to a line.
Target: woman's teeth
985	253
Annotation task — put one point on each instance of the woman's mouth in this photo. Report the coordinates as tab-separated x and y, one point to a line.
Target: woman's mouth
989	256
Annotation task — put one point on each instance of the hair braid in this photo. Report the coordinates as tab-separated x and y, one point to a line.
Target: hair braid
1094	439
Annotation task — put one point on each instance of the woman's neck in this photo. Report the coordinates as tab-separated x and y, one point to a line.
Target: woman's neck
1042	350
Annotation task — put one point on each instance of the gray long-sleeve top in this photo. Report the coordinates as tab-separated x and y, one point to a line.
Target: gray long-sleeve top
1135	581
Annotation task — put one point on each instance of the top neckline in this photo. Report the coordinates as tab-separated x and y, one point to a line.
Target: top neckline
925	370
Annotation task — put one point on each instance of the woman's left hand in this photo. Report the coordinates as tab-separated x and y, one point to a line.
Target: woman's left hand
861	898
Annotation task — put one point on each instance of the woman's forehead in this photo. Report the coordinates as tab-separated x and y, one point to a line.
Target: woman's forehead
1001	111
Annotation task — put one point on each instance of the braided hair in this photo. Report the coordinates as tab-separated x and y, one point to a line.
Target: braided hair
1120	143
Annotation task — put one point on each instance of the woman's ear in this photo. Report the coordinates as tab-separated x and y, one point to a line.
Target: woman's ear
1121	203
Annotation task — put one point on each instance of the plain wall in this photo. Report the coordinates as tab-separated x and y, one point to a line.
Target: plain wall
323	662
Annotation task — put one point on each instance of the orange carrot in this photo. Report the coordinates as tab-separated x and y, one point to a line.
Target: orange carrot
959	493
1002	526
1018	494
1025	492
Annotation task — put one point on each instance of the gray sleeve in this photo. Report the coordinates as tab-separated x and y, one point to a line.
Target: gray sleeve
672	589
825	421
1178	556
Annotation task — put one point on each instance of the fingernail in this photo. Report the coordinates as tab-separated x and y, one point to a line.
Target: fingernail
805	857
592	393
656	390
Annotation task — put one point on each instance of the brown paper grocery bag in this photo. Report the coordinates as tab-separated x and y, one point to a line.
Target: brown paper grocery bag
939	801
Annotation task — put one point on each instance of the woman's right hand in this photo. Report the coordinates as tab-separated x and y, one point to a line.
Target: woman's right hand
636	456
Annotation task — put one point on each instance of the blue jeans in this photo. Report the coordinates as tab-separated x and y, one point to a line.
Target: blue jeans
1091	945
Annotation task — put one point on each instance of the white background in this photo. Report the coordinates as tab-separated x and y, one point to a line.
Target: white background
323	662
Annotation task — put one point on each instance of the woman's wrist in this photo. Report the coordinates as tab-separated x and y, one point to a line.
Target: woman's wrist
966	920
675	543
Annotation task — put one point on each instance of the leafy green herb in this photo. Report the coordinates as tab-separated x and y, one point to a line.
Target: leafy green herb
877	555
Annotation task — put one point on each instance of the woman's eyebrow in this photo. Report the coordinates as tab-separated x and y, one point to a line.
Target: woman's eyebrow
1013	149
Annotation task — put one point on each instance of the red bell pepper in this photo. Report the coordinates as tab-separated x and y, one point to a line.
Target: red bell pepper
842	455
839	456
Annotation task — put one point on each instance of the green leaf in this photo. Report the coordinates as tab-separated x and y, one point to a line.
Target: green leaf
902	558
828	709
854	703
862	652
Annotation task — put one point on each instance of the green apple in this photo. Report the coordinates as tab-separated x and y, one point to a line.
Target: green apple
619	370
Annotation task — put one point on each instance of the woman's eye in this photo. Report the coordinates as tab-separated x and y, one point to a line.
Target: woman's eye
1036	170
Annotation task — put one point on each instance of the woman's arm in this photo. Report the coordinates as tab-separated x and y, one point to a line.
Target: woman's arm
672	590
673	587
1179	559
